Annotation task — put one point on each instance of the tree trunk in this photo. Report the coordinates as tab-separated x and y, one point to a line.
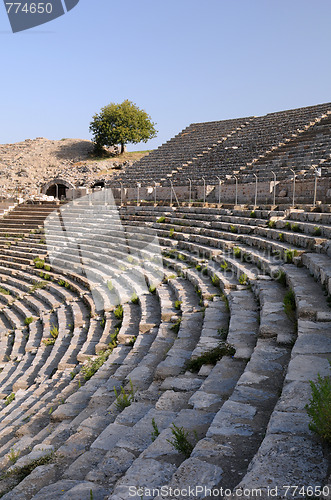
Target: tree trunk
122	148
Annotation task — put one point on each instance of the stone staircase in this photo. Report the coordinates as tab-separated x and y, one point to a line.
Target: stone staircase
74	336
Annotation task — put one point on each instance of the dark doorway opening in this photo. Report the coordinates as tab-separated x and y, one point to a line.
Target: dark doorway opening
57	190
100	184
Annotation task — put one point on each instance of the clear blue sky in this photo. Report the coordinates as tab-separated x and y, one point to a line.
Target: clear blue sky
182	61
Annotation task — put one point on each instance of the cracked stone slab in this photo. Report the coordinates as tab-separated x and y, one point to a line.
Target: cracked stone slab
305	456
145	473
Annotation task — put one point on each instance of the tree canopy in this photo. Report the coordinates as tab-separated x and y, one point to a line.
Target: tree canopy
121	124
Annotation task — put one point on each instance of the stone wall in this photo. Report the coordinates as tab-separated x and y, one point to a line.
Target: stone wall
304	192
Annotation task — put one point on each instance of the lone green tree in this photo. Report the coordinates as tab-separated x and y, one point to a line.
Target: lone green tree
121	124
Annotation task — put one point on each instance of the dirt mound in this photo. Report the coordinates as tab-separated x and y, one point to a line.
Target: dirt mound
29	164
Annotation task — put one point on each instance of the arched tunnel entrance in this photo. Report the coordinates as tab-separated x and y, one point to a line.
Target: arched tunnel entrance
57	190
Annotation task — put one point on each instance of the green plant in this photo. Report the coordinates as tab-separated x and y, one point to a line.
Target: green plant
39	263
180	440
243	279
317	231
121	124
226	301
198	267
93	365
296	228
289	254
124	399
237	252
28	321
281	277
39	284
271	224
281	236
253	214
177	304
289	304
10	398
118	312
132	341
54	331
156	431
205	271
21	472
152	289
161	219
211	357
288	225
233	229
224	265
215	280
48	342
134	298
181	257
47	267
171	232
4	291
175	327
110	285
319	407
13	455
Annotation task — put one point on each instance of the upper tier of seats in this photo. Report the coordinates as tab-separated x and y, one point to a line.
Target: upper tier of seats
241	146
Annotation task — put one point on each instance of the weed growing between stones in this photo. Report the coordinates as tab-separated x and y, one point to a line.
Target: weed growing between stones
224	265
124	399
21	472
4	291
39	284
281	236
39	263
215	280
134	298
132	341
289	304
118	312
211	357
177	304
296	228
253	214
28	321
233	229
180	440
237	252
243	279
175	327
14	455
317	231
226	301
171	232
93	365
289	255
10	398
319	407
161	219
281	277
152	289
271	224
156	431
